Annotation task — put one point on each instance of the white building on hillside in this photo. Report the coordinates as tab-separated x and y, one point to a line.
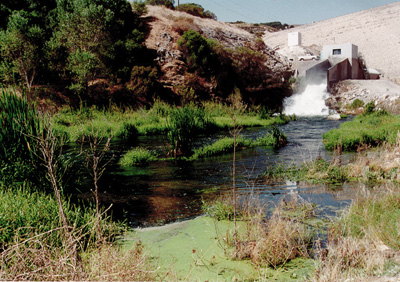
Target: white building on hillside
340	51
294	39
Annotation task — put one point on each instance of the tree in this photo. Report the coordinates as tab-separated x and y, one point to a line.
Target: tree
92	39
80	37
197	51
21	48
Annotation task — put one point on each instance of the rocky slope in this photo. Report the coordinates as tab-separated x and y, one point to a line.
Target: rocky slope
166	27
376	32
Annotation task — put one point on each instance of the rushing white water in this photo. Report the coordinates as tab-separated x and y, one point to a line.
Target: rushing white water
309	103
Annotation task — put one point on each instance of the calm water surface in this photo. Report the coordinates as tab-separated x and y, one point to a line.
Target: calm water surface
168	191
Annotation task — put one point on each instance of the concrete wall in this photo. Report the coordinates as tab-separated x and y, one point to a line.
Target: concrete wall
294	38
357	72
340	71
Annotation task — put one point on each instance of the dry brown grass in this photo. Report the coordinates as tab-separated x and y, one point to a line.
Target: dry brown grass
182	24
363	244
35	259
351	259
275	240
379	164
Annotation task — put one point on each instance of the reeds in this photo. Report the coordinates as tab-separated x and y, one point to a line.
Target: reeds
18	121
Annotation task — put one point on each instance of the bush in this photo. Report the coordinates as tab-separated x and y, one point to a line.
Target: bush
357	103
197	51
128	132
196	10
369	108
167	3
138	156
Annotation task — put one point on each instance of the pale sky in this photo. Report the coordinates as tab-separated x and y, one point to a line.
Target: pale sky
285	11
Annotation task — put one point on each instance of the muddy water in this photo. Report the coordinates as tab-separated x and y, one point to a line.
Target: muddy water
169	191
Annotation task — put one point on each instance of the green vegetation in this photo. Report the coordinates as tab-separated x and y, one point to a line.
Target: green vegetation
167	3
18	152
155	121
184	126
357	103
372	128
275	138
318	171
138	156
196	10
25	212
375	217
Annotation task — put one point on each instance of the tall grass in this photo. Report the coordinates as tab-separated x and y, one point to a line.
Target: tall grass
184	126
19	122
25	212
32	247
363	242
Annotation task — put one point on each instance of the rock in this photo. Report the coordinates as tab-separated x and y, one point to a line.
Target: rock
334	117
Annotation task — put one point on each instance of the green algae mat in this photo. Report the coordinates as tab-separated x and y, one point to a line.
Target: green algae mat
191	251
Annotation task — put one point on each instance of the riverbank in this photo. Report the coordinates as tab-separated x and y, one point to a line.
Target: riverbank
383	93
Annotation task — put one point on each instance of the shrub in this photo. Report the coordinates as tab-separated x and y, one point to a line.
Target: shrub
197	51
196	10
128	132
143	83
138	156
167	3
369	108
357	103
184	24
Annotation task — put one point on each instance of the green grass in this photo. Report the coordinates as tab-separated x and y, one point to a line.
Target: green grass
154	121
376	218
319	171
24	212
274	138
137	156
372	129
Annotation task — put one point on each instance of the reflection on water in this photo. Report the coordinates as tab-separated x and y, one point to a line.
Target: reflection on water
169	191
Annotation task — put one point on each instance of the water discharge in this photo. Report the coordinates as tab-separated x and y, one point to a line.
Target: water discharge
311	102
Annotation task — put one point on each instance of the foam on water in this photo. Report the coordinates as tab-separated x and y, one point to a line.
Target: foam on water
309	103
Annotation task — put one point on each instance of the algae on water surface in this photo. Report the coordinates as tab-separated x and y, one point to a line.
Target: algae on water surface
191	251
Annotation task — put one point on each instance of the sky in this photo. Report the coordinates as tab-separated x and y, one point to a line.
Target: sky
285	11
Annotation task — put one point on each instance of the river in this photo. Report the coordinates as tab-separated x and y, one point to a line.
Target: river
169	191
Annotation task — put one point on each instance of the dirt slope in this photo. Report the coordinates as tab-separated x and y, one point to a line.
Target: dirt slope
376	32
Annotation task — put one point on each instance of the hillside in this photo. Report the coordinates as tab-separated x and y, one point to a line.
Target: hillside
376	32
166	26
